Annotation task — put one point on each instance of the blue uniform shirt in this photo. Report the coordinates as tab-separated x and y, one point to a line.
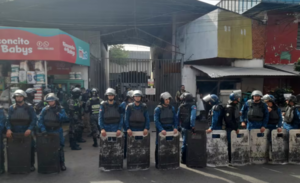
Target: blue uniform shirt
215	125
2	120
159	125
22	128
62	116
255	124
193	115
127	117
110	127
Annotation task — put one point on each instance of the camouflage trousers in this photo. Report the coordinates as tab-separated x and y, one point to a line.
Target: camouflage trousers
76	126
94	125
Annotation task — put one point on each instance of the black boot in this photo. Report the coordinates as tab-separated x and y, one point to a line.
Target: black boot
183	157
95	142
63	167
156	156
2	167
74	146
62	159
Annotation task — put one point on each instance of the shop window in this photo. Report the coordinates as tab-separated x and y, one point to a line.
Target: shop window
298	37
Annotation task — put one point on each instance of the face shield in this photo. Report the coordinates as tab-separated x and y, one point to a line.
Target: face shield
207	98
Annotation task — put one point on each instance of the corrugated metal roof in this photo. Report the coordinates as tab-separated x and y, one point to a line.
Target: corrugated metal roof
285	68
226	71
139	54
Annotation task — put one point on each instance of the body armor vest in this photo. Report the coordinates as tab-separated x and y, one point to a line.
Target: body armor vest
95	105
166	115
289	114
273	117
20	116
185	114
51	120
137	118
255	112
111	113
232	115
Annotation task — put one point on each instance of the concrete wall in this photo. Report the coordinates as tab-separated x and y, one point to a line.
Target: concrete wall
251	83
188	79
249	63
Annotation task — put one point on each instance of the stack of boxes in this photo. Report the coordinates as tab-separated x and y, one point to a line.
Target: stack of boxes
39	93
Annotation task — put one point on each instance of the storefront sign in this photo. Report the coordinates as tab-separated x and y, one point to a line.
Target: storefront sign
59	68
42	44
150	91
150	82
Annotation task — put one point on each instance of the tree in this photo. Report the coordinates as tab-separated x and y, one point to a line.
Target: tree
117	52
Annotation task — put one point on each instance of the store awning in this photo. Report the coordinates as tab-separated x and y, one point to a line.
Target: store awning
227	71
42	44
285	68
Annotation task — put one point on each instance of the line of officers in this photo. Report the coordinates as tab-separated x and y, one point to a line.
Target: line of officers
260	112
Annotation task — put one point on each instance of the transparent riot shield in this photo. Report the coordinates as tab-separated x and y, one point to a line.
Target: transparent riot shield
168	151
196	148
259	146
47	148
294	147
240	148
111	151
19	154
217	148
279	150
138	151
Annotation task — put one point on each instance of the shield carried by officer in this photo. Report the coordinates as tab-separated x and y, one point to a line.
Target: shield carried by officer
196	148
138	151
19	154
168	151
47	148
294	147
240	148
217	148
1	150
259	146
111	151
280	148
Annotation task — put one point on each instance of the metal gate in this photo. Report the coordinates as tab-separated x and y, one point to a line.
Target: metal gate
126	74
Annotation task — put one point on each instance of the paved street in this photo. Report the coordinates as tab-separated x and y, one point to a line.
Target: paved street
83	168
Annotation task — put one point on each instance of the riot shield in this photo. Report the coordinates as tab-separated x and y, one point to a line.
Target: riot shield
138	151
196	148
294	148
19	154
1	150
47	148
280	147
217	148
240	148
168	151
111	151
259	146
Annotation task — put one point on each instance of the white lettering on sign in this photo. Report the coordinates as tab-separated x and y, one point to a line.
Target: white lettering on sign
69	49
16	48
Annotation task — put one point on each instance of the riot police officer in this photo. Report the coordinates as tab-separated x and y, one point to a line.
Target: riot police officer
291	114
128	99
50	121
2	125
93	106
76	124
187	116
232	118
136	115
165	118
21	119
40	105
30	95
275	117
110	116
255	113
216	112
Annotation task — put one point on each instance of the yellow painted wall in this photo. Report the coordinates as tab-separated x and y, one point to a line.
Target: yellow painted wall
234	36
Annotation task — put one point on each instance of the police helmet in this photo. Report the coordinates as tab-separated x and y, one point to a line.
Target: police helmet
164	96
268	98
46	91
256	93
292	98
94	91
76	92
187	97
30	91
137	93
110	91
234	96
19	93
50	97
212	98
129	94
